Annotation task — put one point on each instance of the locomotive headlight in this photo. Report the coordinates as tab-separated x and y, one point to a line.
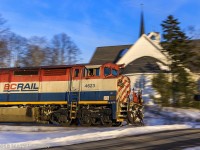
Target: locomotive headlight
106	98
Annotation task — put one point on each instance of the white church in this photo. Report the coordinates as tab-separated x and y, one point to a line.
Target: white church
142	60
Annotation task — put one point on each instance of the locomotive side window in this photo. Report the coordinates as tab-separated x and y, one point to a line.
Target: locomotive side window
114	72
97	72
107	71
92	72
76	73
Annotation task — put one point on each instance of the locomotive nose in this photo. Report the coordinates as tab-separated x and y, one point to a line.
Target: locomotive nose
123	88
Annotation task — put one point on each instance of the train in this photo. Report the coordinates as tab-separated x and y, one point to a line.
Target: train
86	95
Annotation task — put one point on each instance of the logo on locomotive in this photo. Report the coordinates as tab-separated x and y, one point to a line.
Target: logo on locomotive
17	87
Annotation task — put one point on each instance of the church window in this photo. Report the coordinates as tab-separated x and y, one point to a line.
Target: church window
153	37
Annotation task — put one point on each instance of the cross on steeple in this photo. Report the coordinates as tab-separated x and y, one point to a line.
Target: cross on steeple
142	30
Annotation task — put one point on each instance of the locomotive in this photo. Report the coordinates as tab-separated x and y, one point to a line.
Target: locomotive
82	94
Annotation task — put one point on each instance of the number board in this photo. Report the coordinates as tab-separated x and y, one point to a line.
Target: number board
90	86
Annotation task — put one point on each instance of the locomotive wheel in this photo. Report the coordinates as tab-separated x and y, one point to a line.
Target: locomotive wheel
59	118
54	118
95	121
135	117
106	122
132	117
85	120
140	117
64	120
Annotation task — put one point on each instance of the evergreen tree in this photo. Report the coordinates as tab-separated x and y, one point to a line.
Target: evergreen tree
162	85
175	42
184	88
178	46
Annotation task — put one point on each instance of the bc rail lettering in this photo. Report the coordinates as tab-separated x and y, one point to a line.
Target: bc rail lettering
17	87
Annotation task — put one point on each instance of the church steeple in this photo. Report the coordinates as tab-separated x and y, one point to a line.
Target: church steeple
142	30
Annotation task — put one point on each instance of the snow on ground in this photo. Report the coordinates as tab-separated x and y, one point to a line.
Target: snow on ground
188	113
192	148
168	115
28	137
152	119
156	119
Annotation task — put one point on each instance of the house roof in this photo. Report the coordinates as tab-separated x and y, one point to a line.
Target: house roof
107	54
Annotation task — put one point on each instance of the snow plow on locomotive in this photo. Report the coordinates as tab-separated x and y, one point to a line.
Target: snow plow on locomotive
83	94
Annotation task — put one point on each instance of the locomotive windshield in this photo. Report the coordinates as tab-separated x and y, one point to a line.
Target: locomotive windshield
107	71
110	71
114	72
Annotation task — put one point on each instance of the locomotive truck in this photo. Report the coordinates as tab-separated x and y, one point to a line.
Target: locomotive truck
82	94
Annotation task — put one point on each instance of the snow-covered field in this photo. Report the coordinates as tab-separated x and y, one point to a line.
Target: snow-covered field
32	137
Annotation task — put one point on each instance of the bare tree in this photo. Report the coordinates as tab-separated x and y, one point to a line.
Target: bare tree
19	51
36	52
17	46
194	33
64	50
55	51
3	28
4	51
4	54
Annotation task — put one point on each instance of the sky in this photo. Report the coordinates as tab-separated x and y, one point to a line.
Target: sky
95	23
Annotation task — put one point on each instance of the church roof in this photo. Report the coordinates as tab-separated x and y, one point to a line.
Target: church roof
141	65
144	64
107	54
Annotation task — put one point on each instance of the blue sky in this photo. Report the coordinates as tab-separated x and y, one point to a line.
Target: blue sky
94	23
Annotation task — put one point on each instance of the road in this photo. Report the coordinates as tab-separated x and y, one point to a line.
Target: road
172	140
